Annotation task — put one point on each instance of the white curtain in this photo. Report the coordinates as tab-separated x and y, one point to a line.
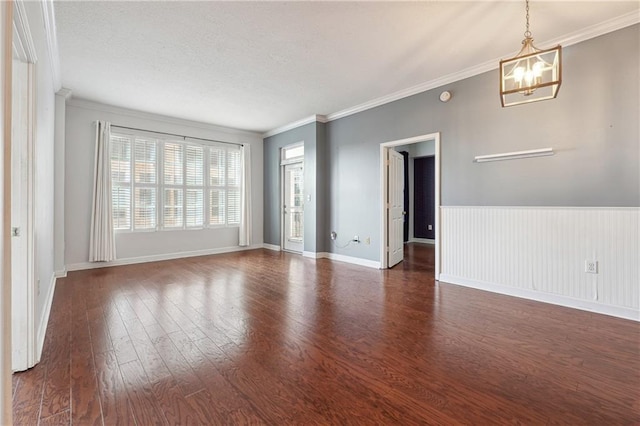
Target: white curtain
102	244
245	196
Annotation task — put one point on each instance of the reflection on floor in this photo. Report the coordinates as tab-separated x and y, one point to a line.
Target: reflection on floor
263	337
419	257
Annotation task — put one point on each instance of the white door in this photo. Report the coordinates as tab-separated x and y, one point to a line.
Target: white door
22	297
293	207
395	202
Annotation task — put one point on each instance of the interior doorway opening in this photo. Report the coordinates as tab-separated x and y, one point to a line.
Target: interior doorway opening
389	185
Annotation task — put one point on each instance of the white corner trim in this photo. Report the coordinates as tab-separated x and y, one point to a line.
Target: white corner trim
60	274
295	124
52	42
65	93
271	247
348	259
554	299
96	106
158	257
44	319
22	39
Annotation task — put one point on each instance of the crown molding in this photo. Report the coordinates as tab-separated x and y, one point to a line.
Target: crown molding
96	106
304	121
423	87
22	40
575	37
52	42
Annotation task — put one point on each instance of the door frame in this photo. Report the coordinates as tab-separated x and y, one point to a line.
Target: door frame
284	162
6	64
24	294
283	221
384	179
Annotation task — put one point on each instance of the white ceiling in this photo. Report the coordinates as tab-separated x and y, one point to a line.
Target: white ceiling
260	65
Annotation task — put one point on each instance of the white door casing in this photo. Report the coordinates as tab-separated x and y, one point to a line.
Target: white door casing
6	12
293	207
395	201
384	183
23	327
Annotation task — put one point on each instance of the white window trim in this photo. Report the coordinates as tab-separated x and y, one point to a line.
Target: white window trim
284	161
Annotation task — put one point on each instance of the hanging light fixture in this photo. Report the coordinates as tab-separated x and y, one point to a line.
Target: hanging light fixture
532	75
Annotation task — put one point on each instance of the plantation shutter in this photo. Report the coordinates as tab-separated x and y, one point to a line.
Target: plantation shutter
121	182
170	184
145	171
233	191
173	170
217	180
194	215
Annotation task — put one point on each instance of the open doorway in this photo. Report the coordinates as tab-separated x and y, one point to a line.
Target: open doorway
390	186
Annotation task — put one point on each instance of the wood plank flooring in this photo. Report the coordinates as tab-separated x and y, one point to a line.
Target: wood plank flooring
262	337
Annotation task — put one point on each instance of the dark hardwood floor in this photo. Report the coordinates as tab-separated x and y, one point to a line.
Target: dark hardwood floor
262	337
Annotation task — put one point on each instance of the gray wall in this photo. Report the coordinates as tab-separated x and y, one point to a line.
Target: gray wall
322	190
592	126
81	116
43	158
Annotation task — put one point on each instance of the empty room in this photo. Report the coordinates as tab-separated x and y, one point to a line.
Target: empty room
320	212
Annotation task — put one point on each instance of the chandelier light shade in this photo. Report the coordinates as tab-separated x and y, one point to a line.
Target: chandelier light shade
532	75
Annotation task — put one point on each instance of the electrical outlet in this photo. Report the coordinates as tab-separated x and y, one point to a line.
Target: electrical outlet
333	235
429	227
591	266
367	241
356	239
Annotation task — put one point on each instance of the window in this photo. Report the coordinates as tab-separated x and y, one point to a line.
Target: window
168	184
292	153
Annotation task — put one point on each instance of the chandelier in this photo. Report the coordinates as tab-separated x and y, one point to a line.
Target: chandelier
532	75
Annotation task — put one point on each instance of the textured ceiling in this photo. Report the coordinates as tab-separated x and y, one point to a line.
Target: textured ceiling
260	65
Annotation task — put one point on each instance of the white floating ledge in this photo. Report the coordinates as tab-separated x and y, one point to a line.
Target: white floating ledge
543	152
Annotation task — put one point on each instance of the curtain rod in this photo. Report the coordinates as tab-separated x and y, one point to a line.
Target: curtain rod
173	134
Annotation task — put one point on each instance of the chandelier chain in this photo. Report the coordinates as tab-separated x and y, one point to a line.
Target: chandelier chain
527	33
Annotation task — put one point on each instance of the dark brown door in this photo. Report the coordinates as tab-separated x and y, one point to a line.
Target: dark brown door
424	224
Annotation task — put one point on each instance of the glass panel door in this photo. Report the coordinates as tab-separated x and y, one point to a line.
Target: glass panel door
293	207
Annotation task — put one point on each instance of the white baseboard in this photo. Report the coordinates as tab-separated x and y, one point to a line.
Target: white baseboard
554	299
158	257
271	247
60	274
44	319
348	259
311	254
422	240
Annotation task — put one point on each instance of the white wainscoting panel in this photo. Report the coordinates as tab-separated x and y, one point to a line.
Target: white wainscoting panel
543	249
